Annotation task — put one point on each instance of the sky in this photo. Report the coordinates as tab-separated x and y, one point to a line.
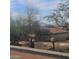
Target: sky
19	7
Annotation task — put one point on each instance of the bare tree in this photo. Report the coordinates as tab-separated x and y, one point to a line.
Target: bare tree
32	22
60	15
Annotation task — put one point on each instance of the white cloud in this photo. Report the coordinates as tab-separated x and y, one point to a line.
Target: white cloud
37	3
14	14
41	5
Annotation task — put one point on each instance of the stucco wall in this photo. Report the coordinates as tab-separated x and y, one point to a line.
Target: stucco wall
60	36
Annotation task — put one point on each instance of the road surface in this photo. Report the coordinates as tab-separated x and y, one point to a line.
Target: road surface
21	55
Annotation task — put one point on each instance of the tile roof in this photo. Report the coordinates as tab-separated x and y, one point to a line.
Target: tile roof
56	30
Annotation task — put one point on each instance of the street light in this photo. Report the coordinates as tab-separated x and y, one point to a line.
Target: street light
53	43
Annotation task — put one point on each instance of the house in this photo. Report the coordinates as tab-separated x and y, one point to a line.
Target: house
58	33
